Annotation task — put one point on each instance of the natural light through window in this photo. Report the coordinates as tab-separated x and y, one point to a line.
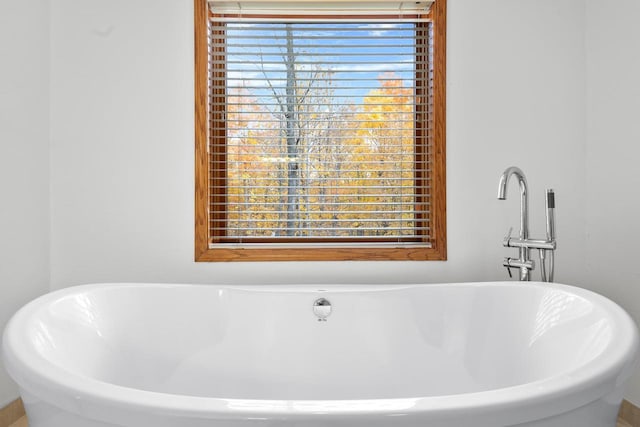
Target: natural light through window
320	130
320	138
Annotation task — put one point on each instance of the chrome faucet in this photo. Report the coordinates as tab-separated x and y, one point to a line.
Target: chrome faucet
523	262
524	244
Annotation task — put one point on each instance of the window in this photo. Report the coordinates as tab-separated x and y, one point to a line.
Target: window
320	130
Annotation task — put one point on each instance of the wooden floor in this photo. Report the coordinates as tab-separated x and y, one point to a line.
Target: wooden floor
22	422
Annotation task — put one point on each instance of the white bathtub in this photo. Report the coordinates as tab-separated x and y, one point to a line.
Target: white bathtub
454	355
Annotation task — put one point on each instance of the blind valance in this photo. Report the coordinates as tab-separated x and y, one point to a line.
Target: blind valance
313	7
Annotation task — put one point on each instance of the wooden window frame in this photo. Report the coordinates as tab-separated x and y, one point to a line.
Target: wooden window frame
437	250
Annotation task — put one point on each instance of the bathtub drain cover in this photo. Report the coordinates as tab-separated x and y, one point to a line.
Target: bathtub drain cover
322	309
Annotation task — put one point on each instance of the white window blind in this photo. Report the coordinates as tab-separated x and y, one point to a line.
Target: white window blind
319	126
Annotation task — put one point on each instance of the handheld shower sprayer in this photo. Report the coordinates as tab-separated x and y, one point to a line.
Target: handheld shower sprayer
551	218
550	204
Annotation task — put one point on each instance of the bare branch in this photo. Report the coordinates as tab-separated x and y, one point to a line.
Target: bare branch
273	89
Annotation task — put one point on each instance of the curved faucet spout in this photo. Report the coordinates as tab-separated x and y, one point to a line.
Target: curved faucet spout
524	196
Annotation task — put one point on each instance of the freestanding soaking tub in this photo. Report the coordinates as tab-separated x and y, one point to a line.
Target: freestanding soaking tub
454	355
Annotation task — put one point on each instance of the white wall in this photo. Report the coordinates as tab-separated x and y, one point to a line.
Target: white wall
122	143
613	155
24	160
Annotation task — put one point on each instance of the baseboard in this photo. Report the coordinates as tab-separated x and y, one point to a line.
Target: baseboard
11	413
630	413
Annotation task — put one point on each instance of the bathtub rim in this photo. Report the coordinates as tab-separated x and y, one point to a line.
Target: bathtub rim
557	394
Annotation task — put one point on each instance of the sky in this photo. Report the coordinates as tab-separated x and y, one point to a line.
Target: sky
356	55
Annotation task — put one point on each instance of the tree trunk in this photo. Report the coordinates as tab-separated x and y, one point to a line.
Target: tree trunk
293	167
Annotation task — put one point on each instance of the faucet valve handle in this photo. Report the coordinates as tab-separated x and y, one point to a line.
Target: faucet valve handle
506	241
510	263
507	265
